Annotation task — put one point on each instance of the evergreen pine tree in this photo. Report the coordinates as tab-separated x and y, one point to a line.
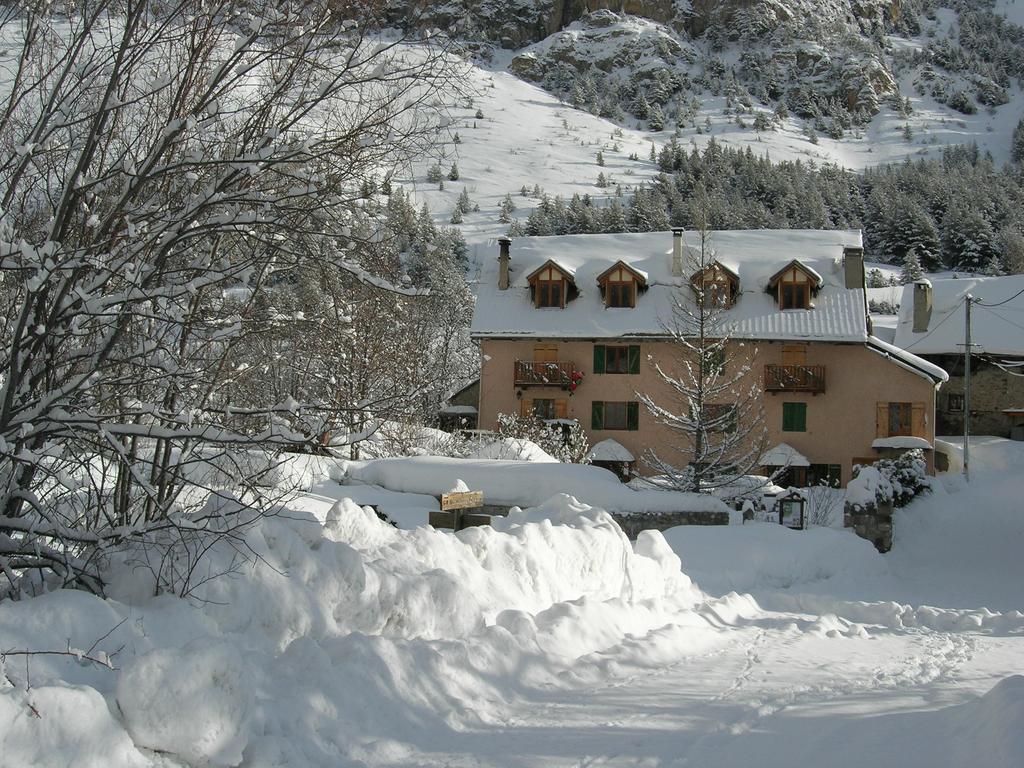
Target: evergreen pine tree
1017	145
911	268
600	158
656	118
505	209
453	174
464	204
639	107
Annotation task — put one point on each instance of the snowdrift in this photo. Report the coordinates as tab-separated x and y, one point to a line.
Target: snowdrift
339	642
524	483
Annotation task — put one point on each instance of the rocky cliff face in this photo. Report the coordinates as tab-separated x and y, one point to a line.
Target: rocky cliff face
829	61
516	23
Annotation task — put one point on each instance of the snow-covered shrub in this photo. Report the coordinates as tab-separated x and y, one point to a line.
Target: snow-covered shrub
907	476
868	490
563	438
896	481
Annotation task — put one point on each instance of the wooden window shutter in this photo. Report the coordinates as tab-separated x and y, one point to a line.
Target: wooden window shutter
882	420
917	420
633	416
634	358
561	408
526	407
794	355
598	358
545	353
597	415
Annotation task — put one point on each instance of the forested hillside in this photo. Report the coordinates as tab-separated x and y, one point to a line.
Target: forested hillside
961	212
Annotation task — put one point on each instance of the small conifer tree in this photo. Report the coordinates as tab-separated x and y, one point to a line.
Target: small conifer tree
911	267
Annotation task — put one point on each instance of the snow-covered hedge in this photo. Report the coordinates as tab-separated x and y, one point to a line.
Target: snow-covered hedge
896	481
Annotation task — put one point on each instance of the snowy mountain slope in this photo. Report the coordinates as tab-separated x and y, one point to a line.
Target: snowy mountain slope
855	84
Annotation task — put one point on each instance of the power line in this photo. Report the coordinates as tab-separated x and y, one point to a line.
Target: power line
1000	303
933	330
1005	319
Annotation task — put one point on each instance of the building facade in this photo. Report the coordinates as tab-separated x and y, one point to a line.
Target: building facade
575	328
932	325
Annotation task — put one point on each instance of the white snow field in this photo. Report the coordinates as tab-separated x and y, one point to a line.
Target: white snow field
546	640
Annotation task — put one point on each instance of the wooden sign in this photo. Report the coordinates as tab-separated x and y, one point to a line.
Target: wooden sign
463	500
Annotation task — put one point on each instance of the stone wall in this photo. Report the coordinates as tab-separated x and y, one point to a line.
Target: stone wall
873	523
662	521
992	390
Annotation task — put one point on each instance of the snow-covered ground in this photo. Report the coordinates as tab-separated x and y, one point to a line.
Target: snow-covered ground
548	640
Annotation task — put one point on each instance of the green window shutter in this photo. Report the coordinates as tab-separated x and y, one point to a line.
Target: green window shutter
634	358
633	416
597	415
794	417
598	358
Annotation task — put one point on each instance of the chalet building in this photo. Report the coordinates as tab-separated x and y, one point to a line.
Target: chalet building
931	324
571	328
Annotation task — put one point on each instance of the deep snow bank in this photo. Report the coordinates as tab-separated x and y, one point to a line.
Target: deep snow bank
524	483
758	556
331	643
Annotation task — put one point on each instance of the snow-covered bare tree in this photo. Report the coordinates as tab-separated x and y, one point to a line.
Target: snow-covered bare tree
155	159
713	406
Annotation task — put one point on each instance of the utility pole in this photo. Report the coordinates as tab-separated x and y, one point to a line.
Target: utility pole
967	387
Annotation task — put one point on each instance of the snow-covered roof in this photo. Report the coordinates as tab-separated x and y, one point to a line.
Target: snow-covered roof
996	330
838	313
907	360
901	441
610	450
455	410
783	455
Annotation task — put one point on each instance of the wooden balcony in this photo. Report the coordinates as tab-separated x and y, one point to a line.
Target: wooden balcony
794	378
533	374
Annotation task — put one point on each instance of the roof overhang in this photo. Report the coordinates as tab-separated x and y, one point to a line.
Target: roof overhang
907	360
640	277
817	279
567	273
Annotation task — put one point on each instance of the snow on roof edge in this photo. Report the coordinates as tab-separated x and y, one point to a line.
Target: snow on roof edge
908	360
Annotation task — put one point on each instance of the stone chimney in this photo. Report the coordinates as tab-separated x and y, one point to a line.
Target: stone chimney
503	260
677	251
922	305
853	267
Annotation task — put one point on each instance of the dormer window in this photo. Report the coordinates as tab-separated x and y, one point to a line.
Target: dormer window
794	295
794	285
552	285
620	285
621	294
716	284
550	293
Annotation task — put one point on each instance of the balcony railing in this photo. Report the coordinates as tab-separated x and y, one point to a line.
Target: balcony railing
533	374
794	378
